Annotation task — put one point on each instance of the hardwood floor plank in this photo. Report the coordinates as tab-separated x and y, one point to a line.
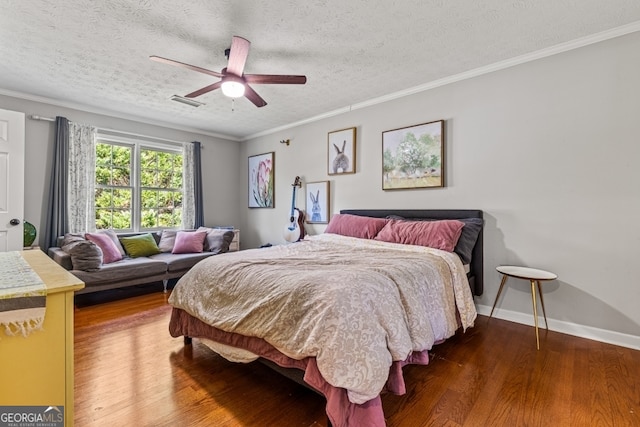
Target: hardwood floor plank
622	389
581	391
558	389
130	371
495	352
599	395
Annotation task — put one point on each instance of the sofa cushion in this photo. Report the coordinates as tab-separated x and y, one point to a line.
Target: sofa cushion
218	240
189	242
125	269
61	257
114	237
140	245
179	262
110	252
167	240
67	236
85	255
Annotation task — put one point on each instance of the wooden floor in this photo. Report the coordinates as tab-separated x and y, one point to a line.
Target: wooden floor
130	372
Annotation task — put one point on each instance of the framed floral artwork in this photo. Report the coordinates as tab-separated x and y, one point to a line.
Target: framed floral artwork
317	202
341	152
413	157
261	180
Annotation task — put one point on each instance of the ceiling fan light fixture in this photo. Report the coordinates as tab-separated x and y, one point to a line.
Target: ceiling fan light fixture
232	88
233	82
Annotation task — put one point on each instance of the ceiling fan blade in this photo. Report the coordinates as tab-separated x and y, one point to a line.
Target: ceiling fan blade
238	55
204	90
183	65
275	79
252	96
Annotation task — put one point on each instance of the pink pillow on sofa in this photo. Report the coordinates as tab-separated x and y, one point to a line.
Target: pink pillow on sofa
189	242
362	227
110	252
434	234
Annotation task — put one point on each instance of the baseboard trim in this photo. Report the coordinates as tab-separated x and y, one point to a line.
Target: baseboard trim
582	331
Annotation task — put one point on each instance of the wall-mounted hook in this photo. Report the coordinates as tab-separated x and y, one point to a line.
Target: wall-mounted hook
285	141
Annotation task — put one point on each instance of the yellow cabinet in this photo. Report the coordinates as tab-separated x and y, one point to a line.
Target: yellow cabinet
37	370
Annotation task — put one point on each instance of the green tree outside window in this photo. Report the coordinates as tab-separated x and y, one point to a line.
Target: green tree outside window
159	190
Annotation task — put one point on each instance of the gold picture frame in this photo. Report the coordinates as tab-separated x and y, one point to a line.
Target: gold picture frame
341	151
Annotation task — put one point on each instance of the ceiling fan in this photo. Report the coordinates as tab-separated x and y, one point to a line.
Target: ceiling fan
233	82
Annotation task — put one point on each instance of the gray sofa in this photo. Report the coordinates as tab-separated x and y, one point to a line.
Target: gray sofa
135	271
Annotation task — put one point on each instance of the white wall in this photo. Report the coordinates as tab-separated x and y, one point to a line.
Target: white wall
548	149
219	158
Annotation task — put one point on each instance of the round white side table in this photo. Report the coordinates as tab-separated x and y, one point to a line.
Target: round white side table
534	276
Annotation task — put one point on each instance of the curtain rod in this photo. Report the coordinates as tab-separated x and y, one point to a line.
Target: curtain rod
51	119
45	119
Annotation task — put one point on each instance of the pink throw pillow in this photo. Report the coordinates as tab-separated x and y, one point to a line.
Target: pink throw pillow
434	234
110	252
189	242
362	227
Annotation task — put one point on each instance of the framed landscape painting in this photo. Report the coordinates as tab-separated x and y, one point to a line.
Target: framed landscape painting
261	180
413	157
317	202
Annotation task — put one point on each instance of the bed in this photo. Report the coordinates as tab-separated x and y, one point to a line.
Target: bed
347	308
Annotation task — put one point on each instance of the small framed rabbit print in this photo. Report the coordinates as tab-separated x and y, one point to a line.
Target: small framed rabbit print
413	157
342	151
317	202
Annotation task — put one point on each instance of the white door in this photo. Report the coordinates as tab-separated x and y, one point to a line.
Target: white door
11	180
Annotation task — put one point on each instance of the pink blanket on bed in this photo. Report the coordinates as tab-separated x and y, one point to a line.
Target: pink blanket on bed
340	410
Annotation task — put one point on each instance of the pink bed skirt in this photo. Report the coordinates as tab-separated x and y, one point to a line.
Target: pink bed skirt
341	412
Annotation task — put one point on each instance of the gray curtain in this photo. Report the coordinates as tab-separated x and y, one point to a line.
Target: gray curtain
197	185
57	221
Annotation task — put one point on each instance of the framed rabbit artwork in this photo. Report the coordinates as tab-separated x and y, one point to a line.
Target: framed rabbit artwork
317	202
341	150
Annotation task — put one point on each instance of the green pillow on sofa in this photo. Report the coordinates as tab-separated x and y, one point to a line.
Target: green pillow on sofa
141	245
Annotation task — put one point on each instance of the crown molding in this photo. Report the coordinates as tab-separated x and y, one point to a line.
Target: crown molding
501	65
110	113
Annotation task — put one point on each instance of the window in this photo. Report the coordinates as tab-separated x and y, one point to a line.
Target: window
160	188
114	189
138	185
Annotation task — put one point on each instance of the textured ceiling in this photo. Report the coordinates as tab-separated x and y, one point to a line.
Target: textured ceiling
94	54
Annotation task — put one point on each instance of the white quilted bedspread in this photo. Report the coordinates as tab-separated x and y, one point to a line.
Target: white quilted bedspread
353	304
